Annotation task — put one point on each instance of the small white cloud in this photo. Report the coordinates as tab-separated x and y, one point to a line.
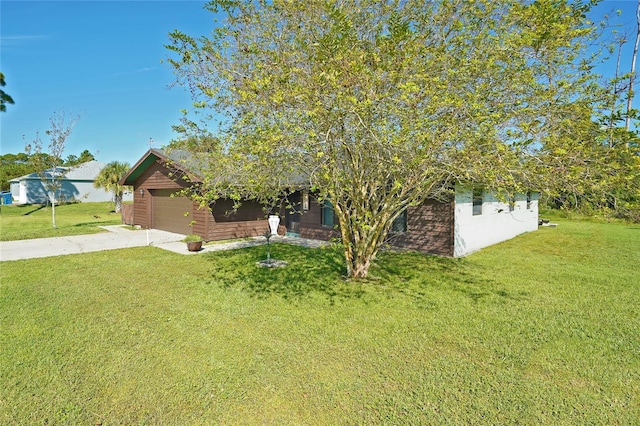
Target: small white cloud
138	71
15	40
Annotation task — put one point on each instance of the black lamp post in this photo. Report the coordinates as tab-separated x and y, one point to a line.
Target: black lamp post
267	235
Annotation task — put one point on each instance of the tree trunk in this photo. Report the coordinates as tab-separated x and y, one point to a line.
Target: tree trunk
53	209
361	242
118	201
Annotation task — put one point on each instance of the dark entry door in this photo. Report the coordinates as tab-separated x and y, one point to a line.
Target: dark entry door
292	219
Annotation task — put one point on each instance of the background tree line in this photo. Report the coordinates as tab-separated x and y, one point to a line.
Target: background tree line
16	165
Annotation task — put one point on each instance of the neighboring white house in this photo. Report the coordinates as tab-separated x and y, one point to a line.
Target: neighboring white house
482	220
76	185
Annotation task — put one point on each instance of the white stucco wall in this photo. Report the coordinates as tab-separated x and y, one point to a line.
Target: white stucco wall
15	191
86	192
83	191
495	224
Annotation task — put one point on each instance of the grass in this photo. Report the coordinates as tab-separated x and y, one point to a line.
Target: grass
22	222
542	329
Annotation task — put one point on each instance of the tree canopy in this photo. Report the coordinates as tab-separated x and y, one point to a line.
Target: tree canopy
73	160
13	166
5	98
379	105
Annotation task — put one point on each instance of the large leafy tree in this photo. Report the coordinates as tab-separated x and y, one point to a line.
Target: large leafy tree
378	105
109	179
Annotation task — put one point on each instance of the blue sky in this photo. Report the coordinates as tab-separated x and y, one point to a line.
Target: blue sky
102	60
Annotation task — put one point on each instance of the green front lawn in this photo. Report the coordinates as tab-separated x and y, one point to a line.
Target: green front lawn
22	222
542	329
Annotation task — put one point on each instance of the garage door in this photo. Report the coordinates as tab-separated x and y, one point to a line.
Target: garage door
168	213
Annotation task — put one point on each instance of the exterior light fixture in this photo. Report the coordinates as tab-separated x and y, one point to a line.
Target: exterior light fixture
305	200
142	192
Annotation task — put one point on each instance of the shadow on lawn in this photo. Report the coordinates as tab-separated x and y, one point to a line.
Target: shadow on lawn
96	223
419	275
308	271
37	207
322	271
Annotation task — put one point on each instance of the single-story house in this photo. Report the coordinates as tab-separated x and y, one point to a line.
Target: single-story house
76	184
473	219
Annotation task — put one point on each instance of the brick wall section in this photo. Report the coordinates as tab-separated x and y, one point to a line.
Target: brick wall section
310	226
430	229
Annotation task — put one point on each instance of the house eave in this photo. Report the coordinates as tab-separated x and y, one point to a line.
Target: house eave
146	161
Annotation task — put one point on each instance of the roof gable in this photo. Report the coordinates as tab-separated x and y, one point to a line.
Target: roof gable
195	166
177	159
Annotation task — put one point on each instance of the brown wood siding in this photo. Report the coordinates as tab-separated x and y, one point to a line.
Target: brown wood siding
248	211
140	209
155	177
232	230
126	211
203	220
158	177
430	229
170	213
249	220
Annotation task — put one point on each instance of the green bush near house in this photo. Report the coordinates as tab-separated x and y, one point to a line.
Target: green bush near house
542	329
192	238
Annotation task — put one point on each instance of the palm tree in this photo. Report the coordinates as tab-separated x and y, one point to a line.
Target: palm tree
109	178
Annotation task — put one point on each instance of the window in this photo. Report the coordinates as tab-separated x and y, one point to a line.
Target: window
326	218
528	200
399	225
477	201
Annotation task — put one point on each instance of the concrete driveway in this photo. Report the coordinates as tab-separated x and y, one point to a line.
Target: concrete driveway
120	237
